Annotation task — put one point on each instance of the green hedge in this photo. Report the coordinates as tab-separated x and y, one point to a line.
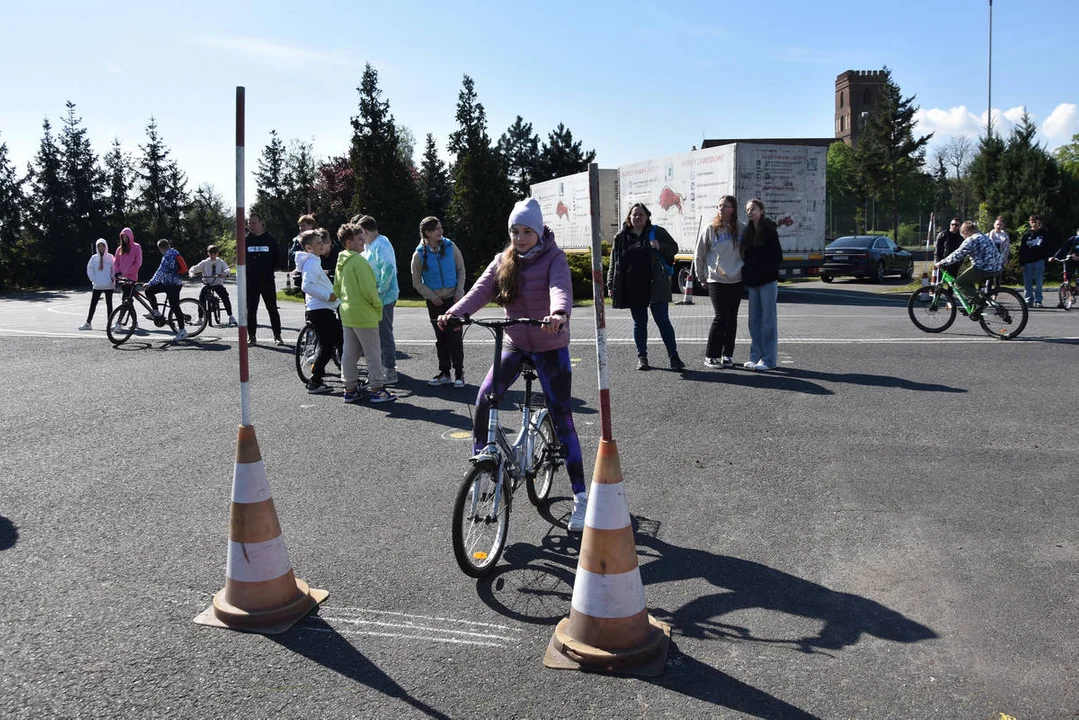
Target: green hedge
580	268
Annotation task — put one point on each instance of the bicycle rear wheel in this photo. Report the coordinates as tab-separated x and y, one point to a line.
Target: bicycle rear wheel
544	461
479	531
307	349
122	323
1067	296
194	317
932	308
1006	314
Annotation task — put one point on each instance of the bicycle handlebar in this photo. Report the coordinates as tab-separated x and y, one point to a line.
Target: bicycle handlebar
495	322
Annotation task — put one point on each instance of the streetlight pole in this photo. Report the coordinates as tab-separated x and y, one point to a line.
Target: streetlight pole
989	113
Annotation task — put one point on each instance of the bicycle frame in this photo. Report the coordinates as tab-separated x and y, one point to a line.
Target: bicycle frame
964	301
515	457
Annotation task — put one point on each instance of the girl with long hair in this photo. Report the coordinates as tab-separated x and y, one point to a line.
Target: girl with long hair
717	262
762	255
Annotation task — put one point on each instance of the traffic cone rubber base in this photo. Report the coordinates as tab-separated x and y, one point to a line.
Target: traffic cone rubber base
274	621
648	659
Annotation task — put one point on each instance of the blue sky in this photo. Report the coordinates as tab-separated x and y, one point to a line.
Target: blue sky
633	80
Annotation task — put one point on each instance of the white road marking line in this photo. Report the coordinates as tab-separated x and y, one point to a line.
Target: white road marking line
424	617
412	626
455	641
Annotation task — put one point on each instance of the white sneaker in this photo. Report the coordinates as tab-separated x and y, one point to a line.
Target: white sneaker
182	335
750	364
576	520
232	321
712	362
761	365
117	328
440	380
459	382
85	326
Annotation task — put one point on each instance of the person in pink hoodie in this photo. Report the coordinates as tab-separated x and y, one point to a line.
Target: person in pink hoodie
128	257
531	278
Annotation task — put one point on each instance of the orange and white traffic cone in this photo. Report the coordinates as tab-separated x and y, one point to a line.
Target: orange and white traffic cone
687	299
261	593
608	628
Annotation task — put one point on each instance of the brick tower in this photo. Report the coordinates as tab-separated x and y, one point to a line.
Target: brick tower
856	92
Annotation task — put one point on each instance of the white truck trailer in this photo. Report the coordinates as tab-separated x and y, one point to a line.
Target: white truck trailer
682	192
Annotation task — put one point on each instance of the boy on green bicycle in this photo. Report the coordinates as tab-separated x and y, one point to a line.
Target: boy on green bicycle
986	262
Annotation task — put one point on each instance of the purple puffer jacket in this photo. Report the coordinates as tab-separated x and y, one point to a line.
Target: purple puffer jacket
546	288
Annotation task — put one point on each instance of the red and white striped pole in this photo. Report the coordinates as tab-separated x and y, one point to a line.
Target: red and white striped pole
607	434
241	262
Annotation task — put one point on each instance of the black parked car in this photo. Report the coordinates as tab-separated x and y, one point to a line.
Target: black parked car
862	256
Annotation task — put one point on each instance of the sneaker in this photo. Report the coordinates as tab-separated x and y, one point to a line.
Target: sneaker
182	335
278	341
355	396
576	520
677	364
440	379
642	363
381	395
712	362
727	362
252	340
117	328
391	377
85	326
317	387
460	381
762	366
232	321
1037	304
750	364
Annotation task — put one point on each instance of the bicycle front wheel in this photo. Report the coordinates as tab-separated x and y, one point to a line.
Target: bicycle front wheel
544	461
932	308
479	528
306	353
1067	296
121	324
1006	314
194	316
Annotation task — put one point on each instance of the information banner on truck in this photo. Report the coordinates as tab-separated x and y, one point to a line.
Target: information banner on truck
567	211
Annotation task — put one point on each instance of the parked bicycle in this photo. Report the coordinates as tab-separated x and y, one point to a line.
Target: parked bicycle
1068	292
481	510
307	349
933	308
123	321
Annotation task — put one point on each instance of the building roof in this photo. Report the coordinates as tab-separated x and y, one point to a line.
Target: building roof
815	142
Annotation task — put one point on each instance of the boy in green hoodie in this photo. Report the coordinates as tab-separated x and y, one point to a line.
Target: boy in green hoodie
361	311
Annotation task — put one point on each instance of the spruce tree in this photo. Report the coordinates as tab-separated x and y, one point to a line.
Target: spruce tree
272	201
49	216
84	184
481	199
888	153
301	173
118	182
384	185
12	262
560	156
208	219
434	180
519	149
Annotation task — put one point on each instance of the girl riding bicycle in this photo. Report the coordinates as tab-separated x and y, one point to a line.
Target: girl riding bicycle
531	279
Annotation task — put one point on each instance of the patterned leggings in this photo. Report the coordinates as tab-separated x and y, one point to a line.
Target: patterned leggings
556	377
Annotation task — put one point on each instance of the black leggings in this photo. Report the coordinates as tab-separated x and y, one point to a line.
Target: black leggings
172	292
449	343
328	328
725	297
93	303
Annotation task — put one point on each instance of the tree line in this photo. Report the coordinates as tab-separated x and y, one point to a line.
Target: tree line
69	196
1011	176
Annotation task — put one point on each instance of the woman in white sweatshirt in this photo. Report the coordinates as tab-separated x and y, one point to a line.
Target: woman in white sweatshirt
99	270
717	262
320	301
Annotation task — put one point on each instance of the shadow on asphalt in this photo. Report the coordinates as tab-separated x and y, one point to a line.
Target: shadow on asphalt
797	380
37	296
9	533
534	584
319	642
842	296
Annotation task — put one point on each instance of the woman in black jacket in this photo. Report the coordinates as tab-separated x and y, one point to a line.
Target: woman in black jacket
762	255
637	279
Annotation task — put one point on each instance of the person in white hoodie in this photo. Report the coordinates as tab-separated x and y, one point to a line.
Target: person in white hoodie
717	261
321	303
100	272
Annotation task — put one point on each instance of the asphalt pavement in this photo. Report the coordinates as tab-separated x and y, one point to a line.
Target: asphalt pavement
883	527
